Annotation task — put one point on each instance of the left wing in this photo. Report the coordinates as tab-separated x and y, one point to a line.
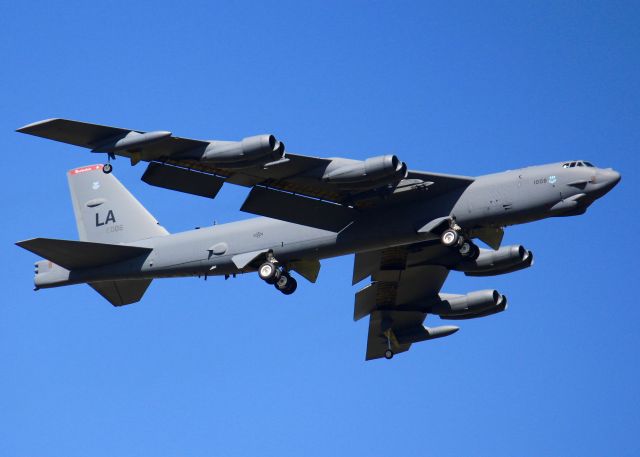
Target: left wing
405	284
327	193
134	144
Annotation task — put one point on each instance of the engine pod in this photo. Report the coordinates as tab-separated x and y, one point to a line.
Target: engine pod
373	172
254	150
505	260
471	304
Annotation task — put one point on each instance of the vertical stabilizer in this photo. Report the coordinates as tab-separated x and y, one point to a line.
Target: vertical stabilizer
105	210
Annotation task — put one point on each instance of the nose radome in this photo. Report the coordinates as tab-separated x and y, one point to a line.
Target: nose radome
613	176
609	178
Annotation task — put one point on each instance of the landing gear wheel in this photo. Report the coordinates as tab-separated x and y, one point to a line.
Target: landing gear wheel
283	282
476	252
450	237
269	273
107	168
388	354
466	248
286	284
293	285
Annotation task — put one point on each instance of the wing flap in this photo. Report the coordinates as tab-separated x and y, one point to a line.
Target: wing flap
298	209
182	180
365	301
74	255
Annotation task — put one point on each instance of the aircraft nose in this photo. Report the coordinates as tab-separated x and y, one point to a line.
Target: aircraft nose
609	178
612	177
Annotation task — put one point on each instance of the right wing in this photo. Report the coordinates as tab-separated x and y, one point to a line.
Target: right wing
405	284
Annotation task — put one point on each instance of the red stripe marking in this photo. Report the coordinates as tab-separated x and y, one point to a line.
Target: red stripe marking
87	168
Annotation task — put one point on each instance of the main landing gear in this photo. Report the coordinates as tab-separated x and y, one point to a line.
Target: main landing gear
280	278
454	238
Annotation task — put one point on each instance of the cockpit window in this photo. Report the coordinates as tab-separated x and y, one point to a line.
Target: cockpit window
578	163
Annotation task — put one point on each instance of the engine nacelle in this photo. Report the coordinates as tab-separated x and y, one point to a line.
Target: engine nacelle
250	151
372	172
475	304
490	263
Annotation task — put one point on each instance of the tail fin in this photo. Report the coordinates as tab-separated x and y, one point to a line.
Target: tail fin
105	210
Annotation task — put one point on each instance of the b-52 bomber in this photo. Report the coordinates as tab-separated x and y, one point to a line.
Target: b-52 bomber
407	228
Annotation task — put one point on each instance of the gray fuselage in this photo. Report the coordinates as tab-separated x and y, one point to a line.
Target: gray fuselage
495	200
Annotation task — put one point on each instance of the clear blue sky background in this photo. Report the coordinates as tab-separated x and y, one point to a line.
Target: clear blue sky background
234	368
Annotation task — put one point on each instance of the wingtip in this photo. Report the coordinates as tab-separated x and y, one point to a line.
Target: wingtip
34	125
24	243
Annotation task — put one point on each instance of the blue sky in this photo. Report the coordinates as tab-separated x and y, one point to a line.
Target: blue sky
235	368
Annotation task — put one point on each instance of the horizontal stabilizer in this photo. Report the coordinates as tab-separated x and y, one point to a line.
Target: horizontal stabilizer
74	255
182	180
298	209
120	293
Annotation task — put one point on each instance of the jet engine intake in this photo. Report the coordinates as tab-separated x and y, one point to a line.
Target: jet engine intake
490	263
253	150
372	172
474	304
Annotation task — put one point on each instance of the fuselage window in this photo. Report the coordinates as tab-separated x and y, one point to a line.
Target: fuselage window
589	164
